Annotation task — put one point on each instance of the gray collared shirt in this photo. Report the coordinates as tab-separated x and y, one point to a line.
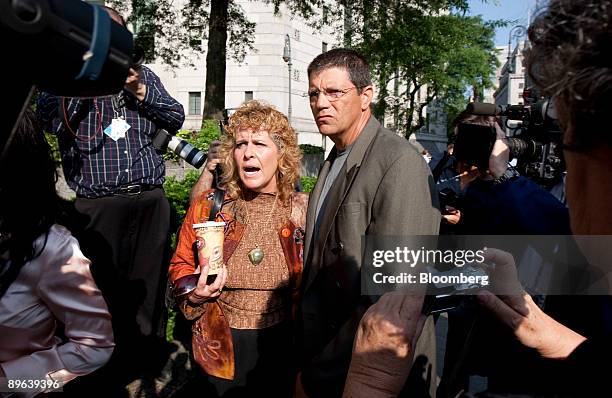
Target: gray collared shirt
334	170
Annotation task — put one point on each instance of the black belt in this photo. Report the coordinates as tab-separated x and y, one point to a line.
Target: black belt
135	189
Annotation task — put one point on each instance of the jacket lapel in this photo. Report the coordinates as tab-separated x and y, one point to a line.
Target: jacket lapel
336	197
312	205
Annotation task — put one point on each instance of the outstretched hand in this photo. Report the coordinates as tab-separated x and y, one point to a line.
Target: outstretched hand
515	308
384	344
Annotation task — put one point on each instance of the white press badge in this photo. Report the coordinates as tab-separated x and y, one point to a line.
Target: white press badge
117	129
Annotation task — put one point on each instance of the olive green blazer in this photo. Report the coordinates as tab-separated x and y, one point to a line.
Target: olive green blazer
384	188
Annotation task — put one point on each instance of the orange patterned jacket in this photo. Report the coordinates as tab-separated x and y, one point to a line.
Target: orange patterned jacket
212	341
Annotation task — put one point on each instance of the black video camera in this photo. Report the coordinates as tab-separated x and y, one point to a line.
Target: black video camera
536	140
65	47
138	58
448	292
227	113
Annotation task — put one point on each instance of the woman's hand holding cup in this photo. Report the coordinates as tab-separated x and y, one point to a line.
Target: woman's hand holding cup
205	292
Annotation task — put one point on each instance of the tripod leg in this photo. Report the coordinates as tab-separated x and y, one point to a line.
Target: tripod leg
17	97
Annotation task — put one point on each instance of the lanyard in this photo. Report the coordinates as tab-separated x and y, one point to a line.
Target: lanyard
118	105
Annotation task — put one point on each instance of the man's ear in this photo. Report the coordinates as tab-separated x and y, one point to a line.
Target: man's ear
367	93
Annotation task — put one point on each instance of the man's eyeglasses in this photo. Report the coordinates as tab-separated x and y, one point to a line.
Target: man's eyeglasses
332	94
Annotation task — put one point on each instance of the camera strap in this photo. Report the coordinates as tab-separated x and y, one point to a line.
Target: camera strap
99	46
217	203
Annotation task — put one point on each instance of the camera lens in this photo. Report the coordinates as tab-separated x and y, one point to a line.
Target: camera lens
26	11
188	152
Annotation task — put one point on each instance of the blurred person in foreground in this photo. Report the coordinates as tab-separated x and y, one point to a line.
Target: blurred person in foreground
45	280
569	60
247	311
499	201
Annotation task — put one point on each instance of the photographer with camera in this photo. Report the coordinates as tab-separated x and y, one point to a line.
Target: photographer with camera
209	171
443	170
109	161
497	201
568	60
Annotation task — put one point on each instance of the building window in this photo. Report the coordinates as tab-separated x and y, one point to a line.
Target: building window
325	12
323	47
195	103
296	35
521	85
248	96
195	36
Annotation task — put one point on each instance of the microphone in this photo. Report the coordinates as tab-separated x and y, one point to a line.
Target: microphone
483	109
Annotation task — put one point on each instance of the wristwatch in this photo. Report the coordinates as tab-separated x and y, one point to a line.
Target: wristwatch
509	175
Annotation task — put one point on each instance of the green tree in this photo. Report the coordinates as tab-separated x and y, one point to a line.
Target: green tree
175	36
179	34
420	51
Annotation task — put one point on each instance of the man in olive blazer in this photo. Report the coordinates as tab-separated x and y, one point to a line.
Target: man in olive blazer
373	183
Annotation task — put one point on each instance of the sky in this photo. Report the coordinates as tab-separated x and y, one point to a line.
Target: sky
518	10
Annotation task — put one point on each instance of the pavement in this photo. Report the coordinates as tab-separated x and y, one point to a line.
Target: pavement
173	378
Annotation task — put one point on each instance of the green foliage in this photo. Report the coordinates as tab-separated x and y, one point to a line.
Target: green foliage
441	58
143	18
177	192
200	139
170	325
175	35
210	131
308	149
419	51
308	183
53	144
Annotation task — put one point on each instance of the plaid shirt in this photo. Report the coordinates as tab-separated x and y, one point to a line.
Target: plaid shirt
94	164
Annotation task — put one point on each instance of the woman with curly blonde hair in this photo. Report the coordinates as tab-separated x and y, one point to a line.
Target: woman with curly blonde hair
243	319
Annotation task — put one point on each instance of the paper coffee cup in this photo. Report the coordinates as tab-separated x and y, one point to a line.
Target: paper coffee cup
209	238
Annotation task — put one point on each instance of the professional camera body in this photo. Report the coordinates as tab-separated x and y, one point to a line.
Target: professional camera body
535	141
68	48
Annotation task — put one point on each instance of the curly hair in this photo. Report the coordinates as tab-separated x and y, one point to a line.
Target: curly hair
257	115
569	59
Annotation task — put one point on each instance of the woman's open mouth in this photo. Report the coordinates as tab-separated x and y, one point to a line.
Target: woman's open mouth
251	171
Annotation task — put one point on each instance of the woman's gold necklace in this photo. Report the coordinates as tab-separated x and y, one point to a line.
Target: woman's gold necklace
256	255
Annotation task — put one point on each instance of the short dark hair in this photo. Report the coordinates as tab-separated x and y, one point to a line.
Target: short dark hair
569	59
343	58
467	118
116	13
